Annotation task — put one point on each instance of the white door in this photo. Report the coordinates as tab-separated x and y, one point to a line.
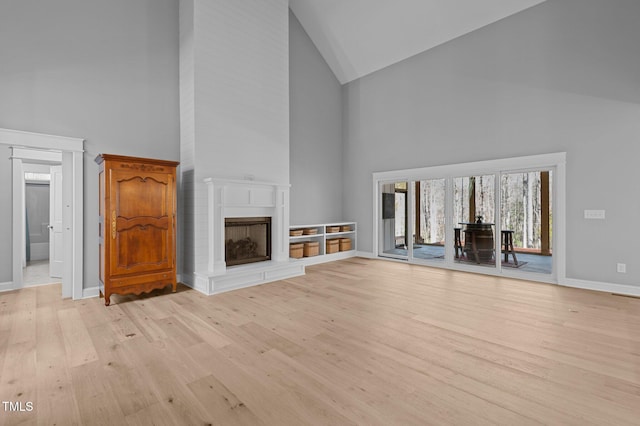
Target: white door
56	248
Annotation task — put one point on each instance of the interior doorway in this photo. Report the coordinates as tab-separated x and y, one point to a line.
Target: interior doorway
29	147
42	261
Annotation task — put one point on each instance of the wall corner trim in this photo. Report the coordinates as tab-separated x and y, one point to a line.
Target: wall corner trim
6	286
90	292
625	289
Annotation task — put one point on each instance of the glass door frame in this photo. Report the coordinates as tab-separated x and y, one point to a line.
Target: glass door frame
379	226
448	230
515	273
554	162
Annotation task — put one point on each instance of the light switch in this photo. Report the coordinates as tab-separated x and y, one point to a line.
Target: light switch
594	214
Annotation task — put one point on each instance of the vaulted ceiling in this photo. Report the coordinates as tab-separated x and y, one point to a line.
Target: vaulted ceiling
358	37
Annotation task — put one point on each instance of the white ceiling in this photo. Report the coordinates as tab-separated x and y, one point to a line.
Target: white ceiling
358	37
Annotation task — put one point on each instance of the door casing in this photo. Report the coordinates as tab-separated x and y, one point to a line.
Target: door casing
34	146
56	241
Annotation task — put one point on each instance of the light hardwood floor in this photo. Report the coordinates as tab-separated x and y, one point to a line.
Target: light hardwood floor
353	342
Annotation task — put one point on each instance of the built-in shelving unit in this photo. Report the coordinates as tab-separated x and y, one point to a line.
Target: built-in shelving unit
321	233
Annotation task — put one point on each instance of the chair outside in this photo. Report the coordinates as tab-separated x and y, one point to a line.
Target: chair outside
457	242
507	246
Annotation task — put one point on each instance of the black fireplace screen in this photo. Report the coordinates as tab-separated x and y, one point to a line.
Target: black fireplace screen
247	240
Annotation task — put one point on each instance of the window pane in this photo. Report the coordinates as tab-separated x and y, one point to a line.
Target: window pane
526	215
474	213
393	223
430	224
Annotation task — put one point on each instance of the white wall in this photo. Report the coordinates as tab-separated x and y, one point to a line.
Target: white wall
106	71
316	133
561	76
242	87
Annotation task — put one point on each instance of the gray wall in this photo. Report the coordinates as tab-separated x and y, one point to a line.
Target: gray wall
315	133
106	71
561	76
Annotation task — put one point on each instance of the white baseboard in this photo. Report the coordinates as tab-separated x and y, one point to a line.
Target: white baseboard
190	285
6	286
90	292
369	255
366	254
626	289
323	258
186	279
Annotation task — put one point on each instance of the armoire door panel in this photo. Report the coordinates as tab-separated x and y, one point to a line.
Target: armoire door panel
142	248
135	194
141	203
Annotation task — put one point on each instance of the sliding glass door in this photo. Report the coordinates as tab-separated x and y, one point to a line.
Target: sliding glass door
429	220
484	217
526	212
474	220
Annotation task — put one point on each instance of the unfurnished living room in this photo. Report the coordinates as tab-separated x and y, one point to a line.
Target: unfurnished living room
288	212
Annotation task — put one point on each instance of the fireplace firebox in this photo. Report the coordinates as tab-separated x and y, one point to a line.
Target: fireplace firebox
247	240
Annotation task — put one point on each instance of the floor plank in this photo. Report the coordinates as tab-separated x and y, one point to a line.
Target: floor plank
56	398
77	342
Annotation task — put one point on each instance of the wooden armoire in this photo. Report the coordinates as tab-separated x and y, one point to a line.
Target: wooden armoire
137	224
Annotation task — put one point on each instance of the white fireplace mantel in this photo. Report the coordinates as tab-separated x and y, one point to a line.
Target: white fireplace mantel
246	198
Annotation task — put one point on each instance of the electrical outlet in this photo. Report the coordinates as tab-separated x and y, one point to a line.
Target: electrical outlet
622	268
594	214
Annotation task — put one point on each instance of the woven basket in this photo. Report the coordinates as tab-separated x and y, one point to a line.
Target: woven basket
333	246
345	244
296	250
